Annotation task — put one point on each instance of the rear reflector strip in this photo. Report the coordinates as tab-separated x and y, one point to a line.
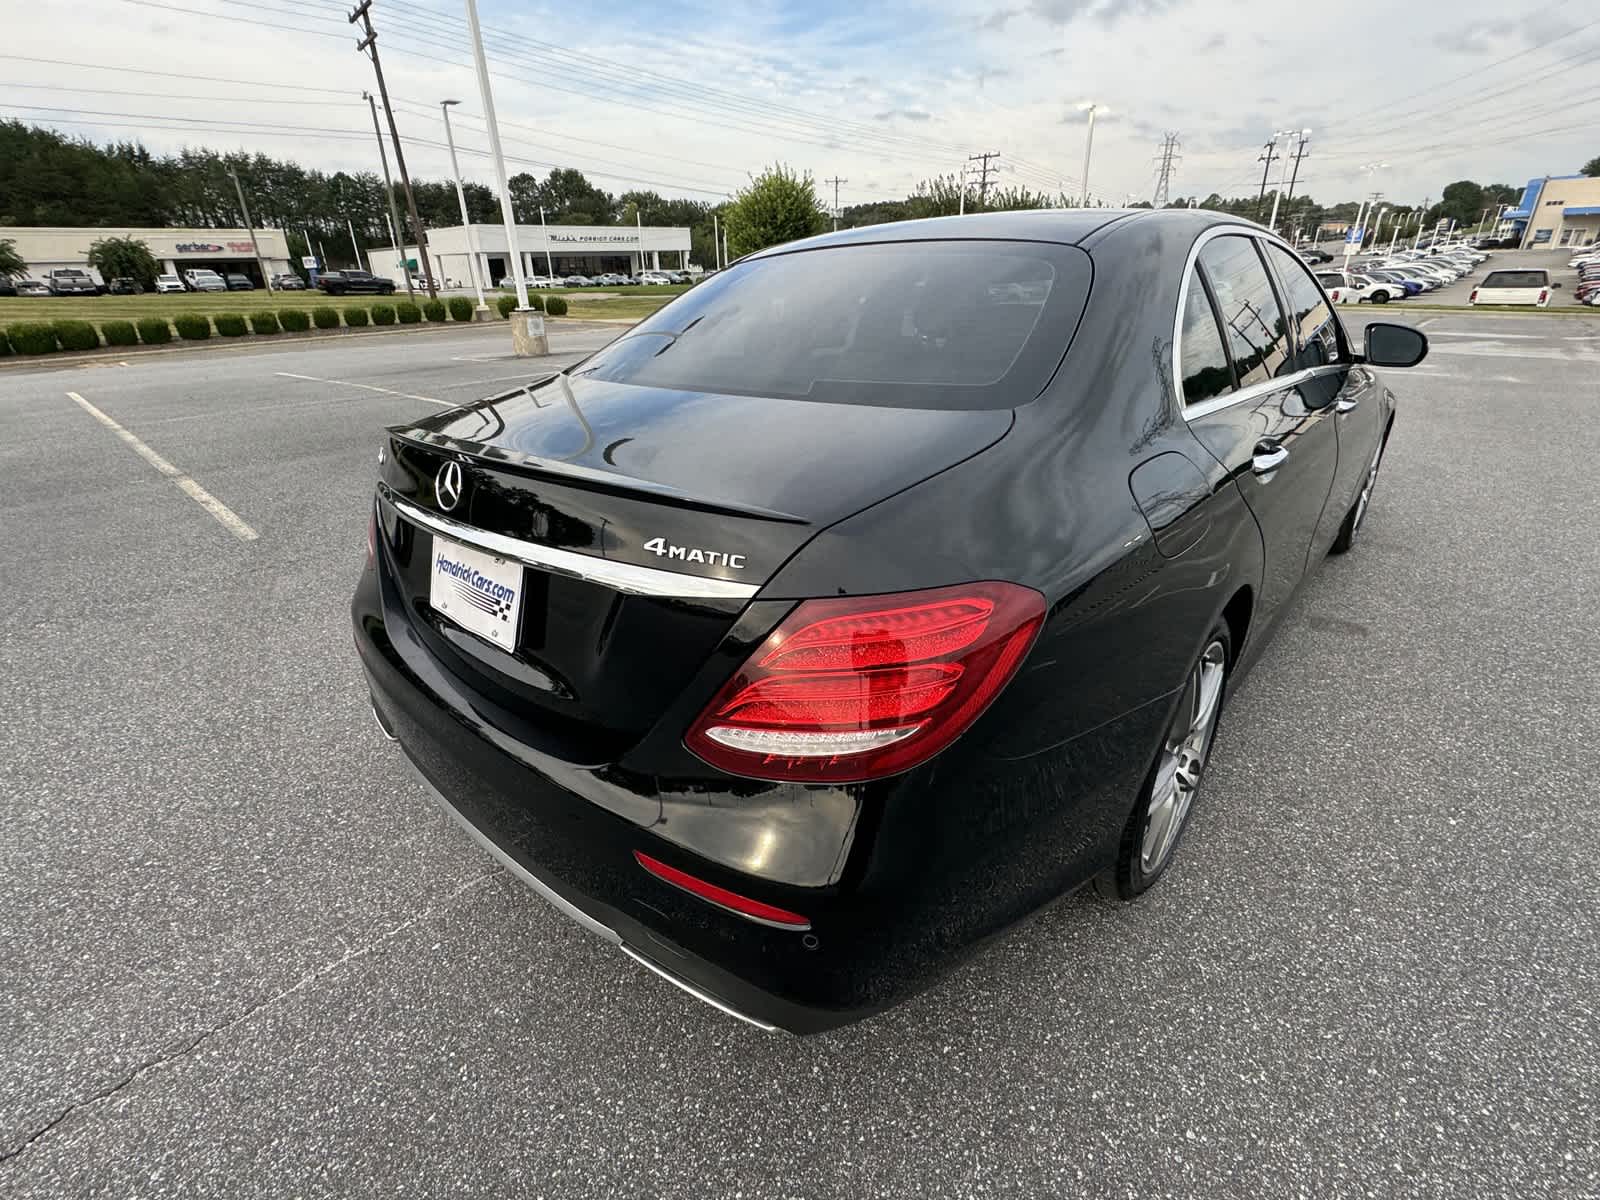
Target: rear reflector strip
751	910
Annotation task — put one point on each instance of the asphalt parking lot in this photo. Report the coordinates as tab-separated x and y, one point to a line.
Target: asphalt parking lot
246	956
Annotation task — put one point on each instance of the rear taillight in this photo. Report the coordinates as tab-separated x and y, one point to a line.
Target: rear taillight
1544	295
1473	298
848	689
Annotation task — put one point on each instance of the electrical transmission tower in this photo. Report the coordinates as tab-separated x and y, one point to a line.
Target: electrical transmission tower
983	172
1165	165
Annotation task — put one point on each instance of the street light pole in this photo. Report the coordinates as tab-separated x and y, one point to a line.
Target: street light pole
1088	145
506	211
461	198
250	228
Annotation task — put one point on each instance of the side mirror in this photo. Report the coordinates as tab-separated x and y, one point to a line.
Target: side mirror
1555	285
1390	345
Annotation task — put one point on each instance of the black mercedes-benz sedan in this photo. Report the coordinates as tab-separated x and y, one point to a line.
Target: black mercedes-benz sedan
876	592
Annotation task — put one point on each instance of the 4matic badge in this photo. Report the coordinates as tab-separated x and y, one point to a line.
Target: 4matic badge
717	558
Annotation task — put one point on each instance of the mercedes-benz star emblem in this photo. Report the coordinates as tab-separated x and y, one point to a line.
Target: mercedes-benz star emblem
447	484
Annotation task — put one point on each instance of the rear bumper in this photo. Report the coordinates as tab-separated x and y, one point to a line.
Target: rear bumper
565	903
577	855
946	855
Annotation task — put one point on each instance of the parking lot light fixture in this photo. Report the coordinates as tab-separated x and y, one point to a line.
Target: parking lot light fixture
466	221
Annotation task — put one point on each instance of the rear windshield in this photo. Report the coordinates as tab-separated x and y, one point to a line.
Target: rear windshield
972	324
1516	279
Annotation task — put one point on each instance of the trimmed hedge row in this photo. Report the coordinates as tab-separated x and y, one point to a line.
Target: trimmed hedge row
47	337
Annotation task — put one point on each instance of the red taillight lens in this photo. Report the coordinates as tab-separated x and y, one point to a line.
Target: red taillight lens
1473	298
857	688
1543	295
755	910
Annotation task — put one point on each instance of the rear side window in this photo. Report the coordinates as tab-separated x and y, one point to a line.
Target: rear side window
1255	328
1516	279
1317	334
908	324
1202	356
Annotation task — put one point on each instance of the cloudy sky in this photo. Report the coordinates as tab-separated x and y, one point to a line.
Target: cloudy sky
689	96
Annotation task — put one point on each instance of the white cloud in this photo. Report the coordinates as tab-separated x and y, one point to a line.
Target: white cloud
884	94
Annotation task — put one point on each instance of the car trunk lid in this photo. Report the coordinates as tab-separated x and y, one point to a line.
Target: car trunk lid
644	519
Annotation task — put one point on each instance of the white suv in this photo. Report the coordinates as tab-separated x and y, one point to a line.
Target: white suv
1530	286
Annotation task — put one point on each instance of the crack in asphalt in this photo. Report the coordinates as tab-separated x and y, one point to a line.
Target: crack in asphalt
314	976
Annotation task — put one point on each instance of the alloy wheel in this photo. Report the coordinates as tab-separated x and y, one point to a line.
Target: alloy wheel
1183	758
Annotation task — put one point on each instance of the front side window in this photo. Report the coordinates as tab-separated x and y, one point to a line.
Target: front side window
1258	336
1316	331
1201	354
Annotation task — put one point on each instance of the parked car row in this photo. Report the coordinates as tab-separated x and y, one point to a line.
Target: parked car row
644	278
69	281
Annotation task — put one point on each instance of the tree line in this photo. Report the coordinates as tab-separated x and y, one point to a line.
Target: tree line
47	178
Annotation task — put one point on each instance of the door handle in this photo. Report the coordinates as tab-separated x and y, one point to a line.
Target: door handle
1268	458
1344	405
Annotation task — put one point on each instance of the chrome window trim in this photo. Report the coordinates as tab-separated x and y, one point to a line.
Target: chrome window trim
623	577
1255	390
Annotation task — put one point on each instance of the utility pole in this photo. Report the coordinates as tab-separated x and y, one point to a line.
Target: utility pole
388	190
1294	176
250	228
549	263
983	172
1269	154
461	199
716	245
1169	160
836	181
355	248
369	45
961	208
1272	223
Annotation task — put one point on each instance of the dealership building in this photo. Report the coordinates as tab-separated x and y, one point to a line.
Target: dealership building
46	248
546	249
1554	212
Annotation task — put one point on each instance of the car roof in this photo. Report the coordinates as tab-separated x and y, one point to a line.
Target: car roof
1071	226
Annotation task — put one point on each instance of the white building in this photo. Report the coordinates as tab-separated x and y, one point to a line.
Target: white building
546	249
45	248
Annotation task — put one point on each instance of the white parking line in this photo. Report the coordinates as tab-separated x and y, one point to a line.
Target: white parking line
1489	337
1431	373
366	387
193	490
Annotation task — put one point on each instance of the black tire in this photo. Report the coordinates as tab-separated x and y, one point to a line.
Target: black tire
1380	297
1358	510
1137	867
